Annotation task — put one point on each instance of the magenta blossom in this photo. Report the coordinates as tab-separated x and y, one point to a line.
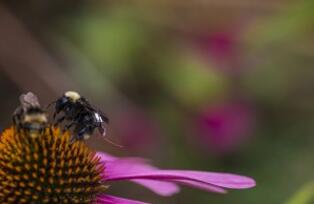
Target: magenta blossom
225	126
222	49
218	45
164	182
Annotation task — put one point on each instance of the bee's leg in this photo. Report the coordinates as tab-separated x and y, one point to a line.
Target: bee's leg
59	120
14	120
66	127
54	115
85	132
102	130
78	133
81	133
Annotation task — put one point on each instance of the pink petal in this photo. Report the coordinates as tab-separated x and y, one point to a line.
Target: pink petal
122	169
159	187
162	188
141	165
106	157
201	186
140	171
106	199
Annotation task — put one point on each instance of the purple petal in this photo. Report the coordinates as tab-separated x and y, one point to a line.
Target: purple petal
128	169
140	171
106	157
159	187
201	186
106	199
162	188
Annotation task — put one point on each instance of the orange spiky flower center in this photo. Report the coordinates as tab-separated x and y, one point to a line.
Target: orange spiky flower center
47	168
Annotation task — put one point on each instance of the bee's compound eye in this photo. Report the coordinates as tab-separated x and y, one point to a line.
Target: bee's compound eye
60	103
74	96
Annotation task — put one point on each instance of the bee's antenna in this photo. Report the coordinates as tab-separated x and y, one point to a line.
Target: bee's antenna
113	143
48	106
103	134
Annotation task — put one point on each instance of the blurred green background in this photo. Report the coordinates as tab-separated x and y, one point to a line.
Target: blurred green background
208	85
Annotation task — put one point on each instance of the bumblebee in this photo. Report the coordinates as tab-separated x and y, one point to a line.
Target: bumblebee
79	114
29	116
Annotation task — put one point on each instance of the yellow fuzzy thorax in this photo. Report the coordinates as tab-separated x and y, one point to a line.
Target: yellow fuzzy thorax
47	168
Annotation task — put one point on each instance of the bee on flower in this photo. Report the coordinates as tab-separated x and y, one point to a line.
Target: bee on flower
29	116
46	167
80	114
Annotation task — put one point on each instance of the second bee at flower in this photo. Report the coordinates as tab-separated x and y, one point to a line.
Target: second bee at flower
77	112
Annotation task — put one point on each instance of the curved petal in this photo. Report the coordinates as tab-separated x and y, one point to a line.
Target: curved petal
162	188
140	171
106	199
105	156
159	187
128	169
201	186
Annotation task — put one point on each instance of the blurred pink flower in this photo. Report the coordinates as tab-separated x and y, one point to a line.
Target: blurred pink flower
164	182
224	127
137	130
221	49
218	45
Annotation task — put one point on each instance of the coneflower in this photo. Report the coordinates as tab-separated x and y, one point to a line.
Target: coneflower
47	168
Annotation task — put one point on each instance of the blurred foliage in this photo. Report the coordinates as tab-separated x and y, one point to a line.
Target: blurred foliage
110	39
294	21
304	195
197	84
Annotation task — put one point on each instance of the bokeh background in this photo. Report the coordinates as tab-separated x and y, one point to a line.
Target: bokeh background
211	85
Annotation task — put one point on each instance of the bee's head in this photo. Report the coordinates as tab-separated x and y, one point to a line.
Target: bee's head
68	98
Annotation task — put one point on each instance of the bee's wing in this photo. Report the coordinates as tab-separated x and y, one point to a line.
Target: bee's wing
84	102
29	100
89	107
103	116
